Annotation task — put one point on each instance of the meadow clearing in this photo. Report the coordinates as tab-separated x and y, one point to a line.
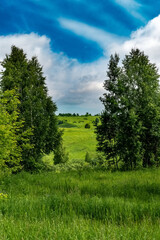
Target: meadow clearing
78	140
80	205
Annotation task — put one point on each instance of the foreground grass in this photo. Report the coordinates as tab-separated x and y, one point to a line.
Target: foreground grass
85	205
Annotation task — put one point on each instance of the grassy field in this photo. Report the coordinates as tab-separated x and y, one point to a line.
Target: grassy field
86	206
80	204
78	140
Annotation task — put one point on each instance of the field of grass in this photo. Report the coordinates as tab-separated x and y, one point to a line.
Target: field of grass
86	206
77	139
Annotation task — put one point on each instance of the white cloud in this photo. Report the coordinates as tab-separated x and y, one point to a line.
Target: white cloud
32	44
75	86
146	39
68	80
131	4
103	38
132	7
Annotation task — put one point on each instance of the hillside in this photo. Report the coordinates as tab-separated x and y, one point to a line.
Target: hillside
78	140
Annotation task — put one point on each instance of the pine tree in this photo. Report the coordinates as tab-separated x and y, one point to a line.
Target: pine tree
107	130
36	108
40	112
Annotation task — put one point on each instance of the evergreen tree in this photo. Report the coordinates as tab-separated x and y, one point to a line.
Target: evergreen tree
107	130
130	129
36	107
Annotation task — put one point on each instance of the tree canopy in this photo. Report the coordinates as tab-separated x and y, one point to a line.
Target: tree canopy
129	133
11	133
36	109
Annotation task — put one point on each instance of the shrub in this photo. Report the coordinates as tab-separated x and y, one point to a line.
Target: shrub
60	122
95	122
87	158
60	155
87	125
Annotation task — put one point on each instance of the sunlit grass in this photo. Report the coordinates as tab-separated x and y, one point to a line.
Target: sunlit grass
90	205
78	140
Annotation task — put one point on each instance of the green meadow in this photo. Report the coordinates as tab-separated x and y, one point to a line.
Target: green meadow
80	204
78	140
93	205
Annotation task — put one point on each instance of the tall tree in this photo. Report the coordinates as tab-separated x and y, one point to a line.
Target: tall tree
36	107
40	111
130	121
107	130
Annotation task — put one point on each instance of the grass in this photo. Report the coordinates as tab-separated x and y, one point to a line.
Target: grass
91	205
77	139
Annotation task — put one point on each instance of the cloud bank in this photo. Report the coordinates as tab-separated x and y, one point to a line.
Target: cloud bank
146	39
69	82
75	86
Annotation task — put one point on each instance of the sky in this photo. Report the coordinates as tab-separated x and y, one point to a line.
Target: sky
73	40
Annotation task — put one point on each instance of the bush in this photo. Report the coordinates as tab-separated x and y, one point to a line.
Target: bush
87	158
95	122
67	125
60	155
60	122
76	166
87	125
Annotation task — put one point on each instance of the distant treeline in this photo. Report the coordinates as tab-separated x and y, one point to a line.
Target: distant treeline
76	114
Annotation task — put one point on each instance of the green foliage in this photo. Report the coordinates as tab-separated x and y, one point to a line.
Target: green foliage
11	134
87	125
87	114
60	155
60	122
87	158
96	121
68	125
129	132
68	114
98	162
36	108
91	205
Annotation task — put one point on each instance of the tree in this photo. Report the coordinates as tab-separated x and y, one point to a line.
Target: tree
130	131
107	130
36	108
96	121
60	155
10	133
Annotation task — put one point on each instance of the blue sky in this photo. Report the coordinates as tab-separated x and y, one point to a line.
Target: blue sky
73	40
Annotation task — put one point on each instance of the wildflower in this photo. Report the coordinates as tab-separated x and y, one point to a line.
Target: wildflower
3	196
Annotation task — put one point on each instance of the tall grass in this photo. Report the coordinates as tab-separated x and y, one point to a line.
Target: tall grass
90	205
